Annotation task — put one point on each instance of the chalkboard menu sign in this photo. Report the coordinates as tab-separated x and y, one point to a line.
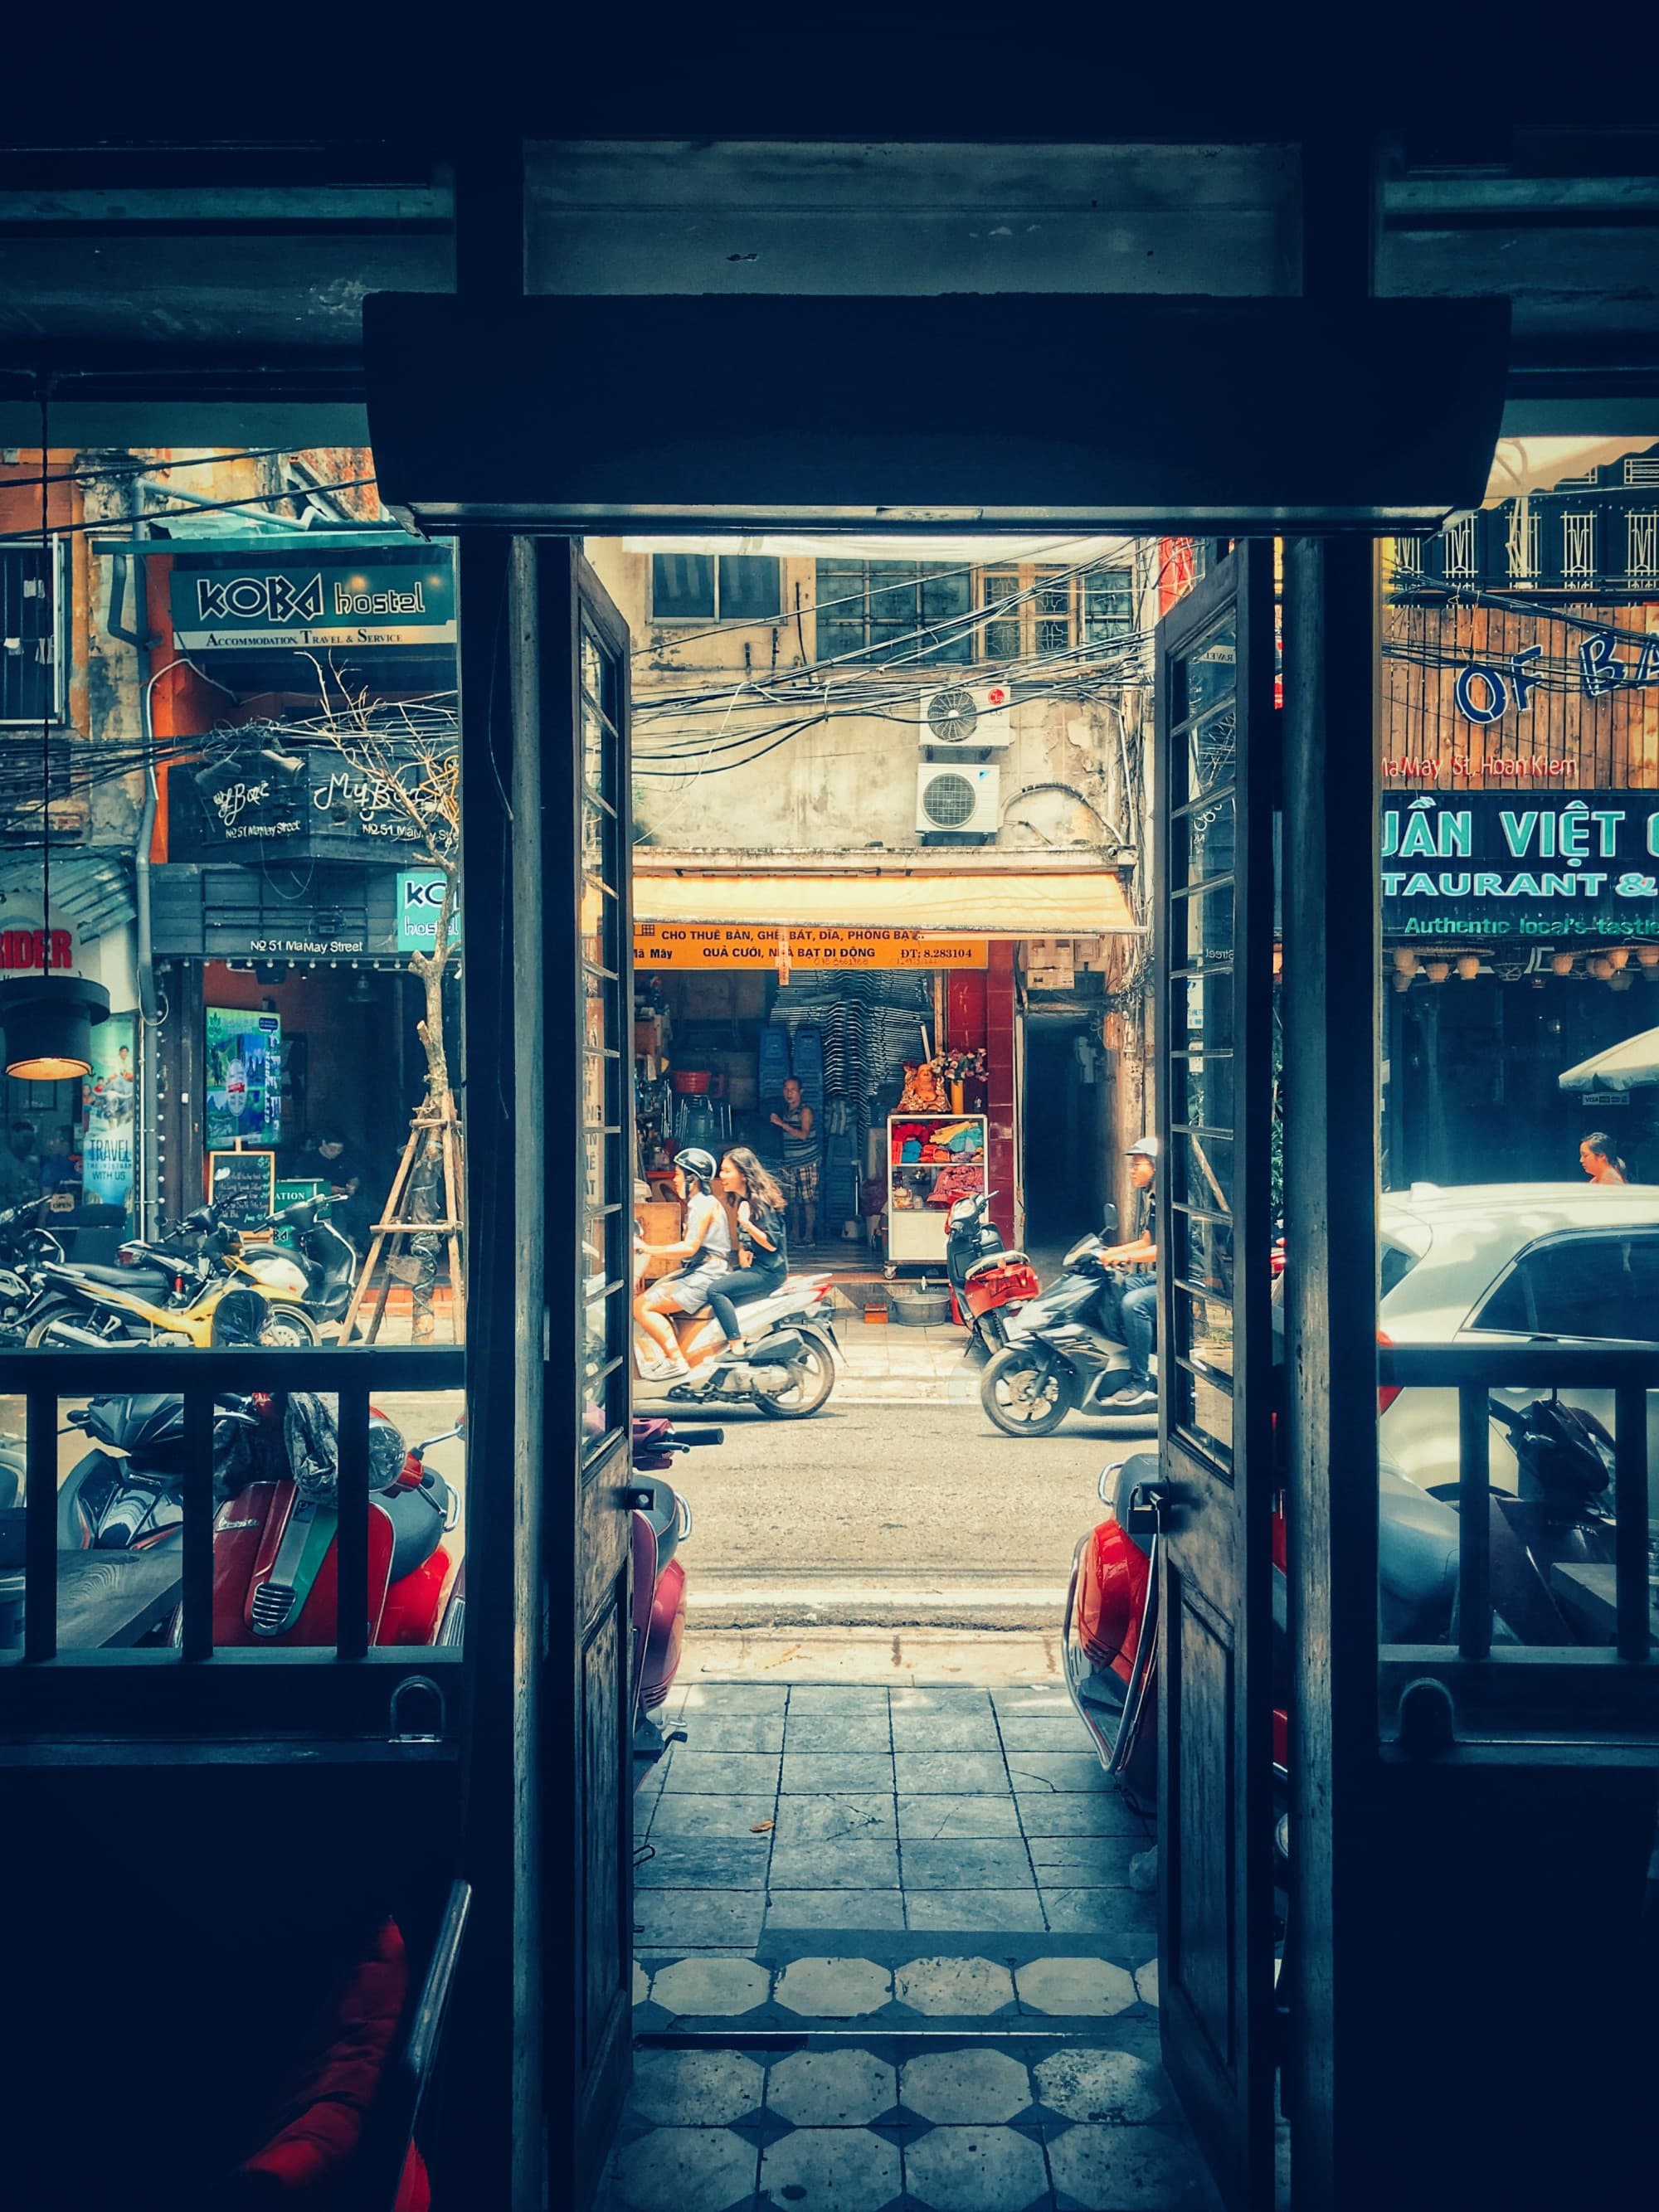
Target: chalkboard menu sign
244	1183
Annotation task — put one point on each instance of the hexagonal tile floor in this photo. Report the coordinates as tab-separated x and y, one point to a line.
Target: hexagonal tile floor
892	1957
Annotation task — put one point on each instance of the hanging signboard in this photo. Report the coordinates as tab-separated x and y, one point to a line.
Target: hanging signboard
108	1121
754	945
312	603
1504	864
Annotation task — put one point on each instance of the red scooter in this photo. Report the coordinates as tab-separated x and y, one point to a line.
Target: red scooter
662	1522
274	1553
987	1281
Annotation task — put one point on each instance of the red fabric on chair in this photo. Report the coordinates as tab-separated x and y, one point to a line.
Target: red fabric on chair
320	2122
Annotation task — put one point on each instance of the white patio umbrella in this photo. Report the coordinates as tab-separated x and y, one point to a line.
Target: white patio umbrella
1625	1066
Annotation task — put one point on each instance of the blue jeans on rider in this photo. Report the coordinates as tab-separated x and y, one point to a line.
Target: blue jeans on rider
1138	1318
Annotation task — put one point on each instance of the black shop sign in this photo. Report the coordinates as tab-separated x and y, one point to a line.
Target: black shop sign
1541	865
316	805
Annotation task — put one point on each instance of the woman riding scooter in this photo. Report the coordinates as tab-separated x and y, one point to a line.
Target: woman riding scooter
705	1251
761	1237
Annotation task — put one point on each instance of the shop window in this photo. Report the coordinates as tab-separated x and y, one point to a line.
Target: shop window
894	610
30	632
706	587
1587	1286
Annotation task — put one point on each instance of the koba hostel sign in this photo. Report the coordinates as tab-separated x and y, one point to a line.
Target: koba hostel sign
287	603
753	945
1504	864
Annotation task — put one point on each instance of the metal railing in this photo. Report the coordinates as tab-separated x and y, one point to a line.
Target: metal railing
1569	1691
347	1374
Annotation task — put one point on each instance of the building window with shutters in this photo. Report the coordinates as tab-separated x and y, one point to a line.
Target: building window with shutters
895	611
1038	610
707	588
32	625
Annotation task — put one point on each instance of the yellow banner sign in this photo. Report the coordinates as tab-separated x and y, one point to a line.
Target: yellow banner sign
751	945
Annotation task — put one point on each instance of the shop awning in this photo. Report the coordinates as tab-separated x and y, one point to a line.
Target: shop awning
1625	1066
1033	902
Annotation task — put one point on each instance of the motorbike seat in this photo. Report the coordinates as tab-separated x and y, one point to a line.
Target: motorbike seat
417	1518
146	1282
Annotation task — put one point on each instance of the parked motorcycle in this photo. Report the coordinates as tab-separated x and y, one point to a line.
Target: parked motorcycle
164	1294
275	1547
1059	1359
316	1272
987	1281
25	1248
789	1368
661	1524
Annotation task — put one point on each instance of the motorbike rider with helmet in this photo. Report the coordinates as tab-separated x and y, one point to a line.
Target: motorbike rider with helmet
1129	1306
705	1251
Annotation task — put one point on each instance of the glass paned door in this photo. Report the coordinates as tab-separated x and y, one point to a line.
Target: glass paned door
602	1040
1213	861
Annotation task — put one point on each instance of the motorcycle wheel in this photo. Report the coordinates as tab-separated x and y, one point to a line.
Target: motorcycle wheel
811	1378
65	1309
1026	1392
288	1326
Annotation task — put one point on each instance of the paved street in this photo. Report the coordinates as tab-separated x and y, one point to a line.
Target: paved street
892	1508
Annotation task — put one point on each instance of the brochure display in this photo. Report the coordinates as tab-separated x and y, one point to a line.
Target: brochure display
933	1160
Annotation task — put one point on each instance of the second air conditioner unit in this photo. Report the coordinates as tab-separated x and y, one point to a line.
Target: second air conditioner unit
958	797
963	715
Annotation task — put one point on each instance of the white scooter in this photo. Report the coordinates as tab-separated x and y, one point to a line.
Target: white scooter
789	1368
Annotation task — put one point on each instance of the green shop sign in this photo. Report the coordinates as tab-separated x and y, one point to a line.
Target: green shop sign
308	602
420	900
1499	864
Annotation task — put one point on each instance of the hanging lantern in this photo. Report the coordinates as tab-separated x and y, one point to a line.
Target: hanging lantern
48	1022
1562	965
1619	955
1404	960
1648	956
1601	968
1438	970
1468	966
1401	981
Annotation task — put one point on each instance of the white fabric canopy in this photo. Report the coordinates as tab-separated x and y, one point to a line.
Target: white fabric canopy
1625	1066
1089	903
1523	464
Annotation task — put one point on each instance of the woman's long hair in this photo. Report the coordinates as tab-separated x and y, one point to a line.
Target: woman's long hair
756	1183
1602	1144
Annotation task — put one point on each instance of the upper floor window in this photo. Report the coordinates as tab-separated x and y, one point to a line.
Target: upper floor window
32	673
907	611
894	609
715	587
1038	610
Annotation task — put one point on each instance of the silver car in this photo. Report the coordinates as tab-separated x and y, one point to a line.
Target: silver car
1511	1263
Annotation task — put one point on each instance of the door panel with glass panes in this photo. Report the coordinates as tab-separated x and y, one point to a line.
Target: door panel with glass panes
588	1077
1214	921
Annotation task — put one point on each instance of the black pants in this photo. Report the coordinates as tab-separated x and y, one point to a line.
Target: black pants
741	1287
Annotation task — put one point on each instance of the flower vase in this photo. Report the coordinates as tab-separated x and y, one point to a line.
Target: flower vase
956	1098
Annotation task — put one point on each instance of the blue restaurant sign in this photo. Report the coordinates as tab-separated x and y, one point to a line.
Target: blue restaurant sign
313	601
1507	864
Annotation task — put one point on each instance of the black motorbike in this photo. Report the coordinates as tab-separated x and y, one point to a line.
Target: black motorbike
1060	1354
25	1248
988	1282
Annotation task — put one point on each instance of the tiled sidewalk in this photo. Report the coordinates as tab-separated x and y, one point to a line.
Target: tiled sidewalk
857	1808
895	1953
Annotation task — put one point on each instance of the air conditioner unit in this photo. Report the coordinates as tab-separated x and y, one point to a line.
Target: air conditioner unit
958	797
960	717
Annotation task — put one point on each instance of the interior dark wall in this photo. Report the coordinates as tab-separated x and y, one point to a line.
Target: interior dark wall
1064	1148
